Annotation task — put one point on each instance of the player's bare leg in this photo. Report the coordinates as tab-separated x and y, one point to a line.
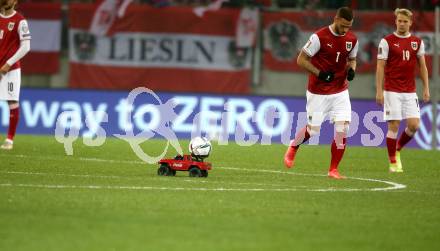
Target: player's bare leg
338	148
393	128
13	122
412	125
302	136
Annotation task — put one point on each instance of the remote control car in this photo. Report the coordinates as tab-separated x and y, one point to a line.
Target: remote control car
193	164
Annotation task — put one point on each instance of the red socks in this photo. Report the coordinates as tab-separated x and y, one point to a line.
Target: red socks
394	145
14	115
404	138
337	153
391	146
302	136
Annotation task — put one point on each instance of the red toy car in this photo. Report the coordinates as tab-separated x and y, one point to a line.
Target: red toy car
195	166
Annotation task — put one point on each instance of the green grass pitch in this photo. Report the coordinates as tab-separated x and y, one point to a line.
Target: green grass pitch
104	198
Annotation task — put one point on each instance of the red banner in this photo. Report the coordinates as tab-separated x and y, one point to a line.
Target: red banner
287	32
165	49
45	26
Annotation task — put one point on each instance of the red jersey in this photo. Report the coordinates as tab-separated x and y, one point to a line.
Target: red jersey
401	53
13	29
330	53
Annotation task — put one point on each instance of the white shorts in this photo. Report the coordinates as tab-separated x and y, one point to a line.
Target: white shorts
10	85
398	106
336	106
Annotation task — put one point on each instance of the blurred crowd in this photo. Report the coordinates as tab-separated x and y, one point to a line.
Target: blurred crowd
298	4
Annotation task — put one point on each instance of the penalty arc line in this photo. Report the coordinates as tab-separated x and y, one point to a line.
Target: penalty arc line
393	185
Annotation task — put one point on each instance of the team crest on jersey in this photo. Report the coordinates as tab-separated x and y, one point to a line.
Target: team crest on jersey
11	26
348	45
414	45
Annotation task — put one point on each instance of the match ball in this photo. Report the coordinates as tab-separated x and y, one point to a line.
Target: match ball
200	147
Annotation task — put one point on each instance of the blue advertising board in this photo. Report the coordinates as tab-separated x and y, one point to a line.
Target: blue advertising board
245	120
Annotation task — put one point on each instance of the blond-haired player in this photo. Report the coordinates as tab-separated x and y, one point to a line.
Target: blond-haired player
398	56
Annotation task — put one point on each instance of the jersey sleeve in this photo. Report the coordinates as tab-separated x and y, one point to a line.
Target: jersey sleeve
312	46
421	51
23	30
382	53
353	53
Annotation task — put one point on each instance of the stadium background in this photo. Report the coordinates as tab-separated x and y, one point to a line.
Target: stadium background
164	46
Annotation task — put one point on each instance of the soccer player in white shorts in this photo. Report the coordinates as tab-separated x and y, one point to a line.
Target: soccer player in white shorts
14	44
330	58
398	55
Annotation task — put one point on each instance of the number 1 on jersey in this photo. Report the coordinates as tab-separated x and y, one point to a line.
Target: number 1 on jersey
337	56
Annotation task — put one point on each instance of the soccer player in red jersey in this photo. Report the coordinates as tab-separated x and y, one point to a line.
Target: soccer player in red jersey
330	58
397	58
14	44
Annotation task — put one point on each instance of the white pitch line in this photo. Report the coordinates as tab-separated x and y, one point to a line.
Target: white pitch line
141	178
112	161
392	185
65	175
149	188
70	158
